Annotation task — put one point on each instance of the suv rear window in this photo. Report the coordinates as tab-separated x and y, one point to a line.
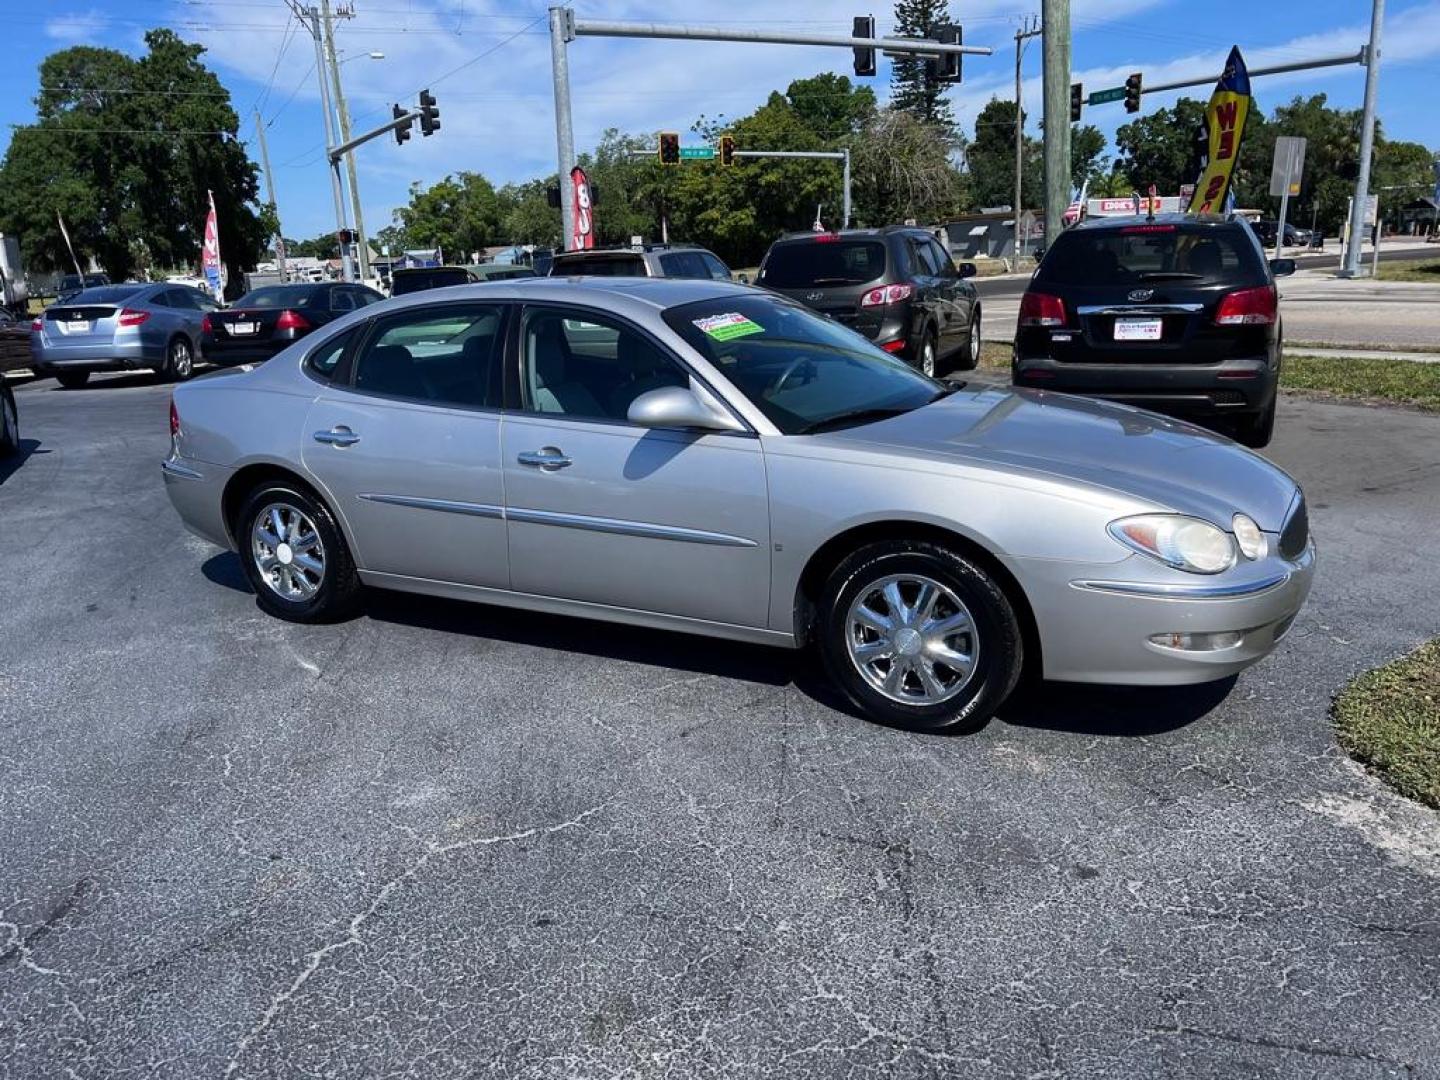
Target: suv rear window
623	264
1136	253
823	262
408	281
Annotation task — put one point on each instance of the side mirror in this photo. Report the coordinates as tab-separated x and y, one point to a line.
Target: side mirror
1282	267
677	407
967	269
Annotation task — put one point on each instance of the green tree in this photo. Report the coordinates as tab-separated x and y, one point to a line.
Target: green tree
1087	156
990	158
527	216
913	86
459	214
903	170
128	151
1159	148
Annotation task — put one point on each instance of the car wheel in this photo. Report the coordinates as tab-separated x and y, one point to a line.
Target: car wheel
179	360
1257	431
72	380
972	343
295	556
9	422
928	361
917	636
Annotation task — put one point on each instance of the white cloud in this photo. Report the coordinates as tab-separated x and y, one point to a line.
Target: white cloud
77	27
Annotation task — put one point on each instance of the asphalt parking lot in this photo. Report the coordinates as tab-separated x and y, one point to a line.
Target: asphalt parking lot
443	840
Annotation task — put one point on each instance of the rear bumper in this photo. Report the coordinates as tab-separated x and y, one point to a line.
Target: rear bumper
219	351
102	356
196	490
1237	385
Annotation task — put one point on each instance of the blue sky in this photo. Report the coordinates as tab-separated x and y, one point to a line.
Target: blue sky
488	63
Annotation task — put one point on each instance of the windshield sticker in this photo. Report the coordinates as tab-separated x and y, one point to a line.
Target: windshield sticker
728	326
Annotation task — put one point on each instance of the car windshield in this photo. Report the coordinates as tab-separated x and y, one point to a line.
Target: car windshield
618	265
408	281
277	296
806	373
799	264
106	294
1204	254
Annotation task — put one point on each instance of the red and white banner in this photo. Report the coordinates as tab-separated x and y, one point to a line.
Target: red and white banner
210	253
582	215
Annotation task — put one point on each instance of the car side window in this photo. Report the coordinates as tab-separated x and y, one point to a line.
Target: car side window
323	362
341	300
574	363
444	356
924	258
170	298
366	296
716	269
942	258
683	264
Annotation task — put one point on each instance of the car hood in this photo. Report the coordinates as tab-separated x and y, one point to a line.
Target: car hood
1166	462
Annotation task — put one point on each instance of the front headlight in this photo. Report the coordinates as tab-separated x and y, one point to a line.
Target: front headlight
1185	543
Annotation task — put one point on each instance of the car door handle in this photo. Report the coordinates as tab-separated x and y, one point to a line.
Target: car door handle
548	458
337	436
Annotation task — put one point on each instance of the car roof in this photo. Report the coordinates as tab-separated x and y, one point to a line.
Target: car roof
632	293
626	249
1129	221
877	233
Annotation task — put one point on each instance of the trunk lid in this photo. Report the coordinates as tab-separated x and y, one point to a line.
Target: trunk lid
81	323
829	274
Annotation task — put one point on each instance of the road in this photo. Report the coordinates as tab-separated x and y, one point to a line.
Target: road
443	840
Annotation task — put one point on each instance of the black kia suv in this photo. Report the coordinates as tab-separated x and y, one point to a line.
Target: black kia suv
1175	313
897	286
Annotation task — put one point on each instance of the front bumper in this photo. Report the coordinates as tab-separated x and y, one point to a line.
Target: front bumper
1238	385
47	359
1096	622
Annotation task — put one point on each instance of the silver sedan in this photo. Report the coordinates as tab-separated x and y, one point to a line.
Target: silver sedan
709	458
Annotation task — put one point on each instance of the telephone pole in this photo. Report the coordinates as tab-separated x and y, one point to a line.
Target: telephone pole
1055	24
1026	31
270	195
1367	141
343	109
311	17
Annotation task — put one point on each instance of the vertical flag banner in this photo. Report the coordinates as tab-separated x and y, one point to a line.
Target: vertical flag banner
582	216
71	247
1225	117
210	253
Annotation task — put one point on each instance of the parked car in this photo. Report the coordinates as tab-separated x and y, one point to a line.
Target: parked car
273	317
1178	313
71	284
9	421
710	458
120	328
416	279
646	260
1265	232
896	286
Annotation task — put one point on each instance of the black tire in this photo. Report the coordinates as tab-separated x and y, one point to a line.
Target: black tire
9	421
179	360
972	343
1257	431
996	634
337	590
72	380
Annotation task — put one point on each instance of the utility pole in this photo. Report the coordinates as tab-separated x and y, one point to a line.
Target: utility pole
270	194
1055	24
1367	141
562	32
361	245
1026	31
311	17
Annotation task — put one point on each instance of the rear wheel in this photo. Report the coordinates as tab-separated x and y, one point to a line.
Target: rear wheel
179	360
9	422
295	556
917	636
72	380
972	344
1257	431
927	359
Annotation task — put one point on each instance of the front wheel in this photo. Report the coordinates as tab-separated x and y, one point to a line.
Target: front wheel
72	380
1257	431
295	556
920	637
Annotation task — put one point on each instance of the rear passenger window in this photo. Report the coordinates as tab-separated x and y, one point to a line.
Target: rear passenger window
683	264
717	270
448	356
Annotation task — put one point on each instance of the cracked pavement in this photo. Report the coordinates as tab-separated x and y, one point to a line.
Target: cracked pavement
443	840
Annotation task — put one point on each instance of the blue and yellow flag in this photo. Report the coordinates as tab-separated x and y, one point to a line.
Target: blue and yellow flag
1225	117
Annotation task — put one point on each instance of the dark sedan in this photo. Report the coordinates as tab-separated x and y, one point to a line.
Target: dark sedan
268	319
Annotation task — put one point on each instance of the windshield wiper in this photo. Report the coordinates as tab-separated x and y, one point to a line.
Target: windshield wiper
1169	275
859	416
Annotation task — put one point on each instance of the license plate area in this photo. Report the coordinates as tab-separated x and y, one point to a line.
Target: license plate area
1131	329
76	326
243	327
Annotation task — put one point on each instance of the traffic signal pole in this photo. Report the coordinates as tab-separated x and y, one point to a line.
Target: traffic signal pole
565	28
346	270
361	244
1367	142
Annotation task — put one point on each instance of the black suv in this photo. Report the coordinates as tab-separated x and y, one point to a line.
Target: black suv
1174	313
897	286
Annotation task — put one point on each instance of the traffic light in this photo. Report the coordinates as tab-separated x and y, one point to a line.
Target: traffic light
669	148
1077	102
1132	93
727	150
946	68
552	196
403	131
864	26
429	113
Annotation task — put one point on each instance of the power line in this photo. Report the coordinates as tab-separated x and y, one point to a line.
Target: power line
290	27
285	104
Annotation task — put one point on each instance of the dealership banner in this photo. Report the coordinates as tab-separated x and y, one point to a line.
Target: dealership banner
582	215
1225	119
210	253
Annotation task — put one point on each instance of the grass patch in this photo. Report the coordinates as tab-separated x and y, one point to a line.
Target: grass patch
1426	270
1301	346
995	355
1389	720
1407	382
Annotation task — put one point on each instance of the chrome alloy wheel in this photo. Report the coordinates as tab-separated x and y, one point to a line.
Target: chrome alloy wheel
912	639
975	343
287	551
927	358
181	360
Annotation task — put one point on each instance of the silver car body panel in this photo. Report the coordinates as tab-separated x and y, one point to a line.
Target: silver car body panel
711	533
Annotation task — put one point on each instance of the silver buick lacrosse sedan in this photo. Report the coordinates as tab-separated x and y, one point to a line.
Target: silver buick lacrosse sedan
709	458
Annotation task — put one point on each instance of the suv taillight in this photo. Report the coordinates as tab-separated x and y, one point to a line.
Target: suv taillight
886	294
1041	309
291	320
1248	307
131	317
